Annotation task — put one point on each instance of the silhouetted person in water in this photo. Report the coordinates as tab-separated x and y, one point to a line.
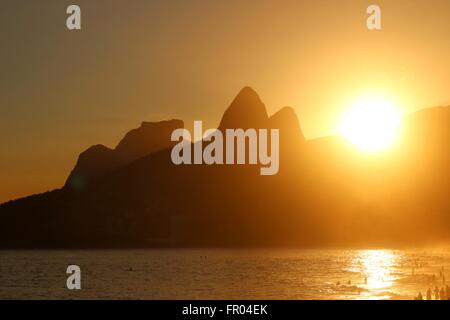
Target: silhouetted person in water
436	293
429	294
419	296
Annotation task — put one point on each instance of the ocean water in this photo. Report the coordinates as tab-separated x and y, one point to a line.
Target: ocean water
224	274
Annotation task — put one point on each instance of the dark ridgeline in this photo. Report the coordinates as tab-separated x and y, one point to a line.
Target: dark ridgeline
326	193
98	160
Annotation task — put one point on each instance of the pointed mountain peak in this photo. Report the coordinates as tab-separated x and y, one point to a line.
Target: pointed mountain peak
246	111
248	92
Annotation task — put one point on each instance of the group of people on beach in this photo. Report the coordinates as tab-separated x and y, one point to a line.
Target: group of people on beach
436	294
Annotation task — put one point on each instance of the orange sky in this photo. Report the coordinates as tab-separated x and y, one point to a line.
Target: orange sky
63	91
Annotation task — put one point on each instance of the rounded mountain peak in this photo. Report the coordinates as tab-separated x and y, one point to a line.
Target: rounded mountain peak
286	120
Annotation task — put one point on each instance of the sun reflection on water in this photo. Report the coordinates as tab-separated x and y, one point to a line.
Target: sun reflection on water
378	269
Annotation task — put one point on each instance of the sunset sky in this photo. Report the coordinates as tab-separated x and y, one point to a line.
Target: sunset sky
62	91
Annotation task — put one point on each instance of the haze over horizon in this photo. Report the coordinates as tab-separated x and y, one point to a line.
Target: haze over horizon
61	92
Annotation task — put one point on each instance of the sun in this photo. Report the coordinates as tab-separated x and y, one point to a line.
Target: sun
371	124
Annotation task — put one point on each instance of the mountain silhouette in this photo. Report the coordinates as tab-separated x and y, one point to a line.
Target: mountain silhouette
326	193
286	120
98	160
246	111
